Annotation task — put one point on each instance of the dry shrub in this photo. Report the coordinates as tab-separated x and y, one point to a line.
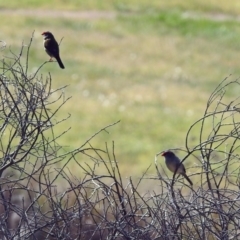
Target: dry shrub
40	198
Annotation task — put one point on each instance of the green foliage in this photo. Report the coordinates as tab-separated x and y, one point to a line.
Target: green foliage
150	65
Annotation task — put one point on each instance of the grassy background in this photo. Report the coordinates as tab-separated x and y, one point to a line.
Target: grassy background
150	65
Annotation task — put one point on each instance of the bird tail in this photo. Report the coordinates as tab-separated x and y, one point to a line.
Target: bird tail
60	62
188	179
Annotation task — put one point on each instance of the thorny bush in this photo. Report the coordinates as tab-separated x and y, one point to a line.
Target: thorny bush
104	206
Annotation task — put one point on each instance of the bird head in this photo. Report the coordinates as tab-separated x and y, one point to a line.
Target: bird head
47	34
168	154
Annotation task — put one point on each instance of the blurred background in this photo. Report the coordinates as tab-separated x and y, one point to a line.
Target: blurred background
150	64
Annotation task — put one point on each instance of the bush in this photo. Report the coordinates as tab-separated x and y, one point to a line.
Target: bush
40	198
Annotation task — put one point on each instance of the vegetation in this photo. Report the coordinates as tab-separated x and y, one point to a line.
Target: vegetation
42	197
151	66
80	146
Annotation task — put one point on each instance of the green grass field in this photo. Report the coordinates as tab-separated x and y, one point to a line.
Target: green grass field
150	65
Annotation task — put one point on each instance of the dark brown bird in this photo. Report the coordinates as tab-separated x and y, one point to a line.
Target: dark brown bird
51	47
174	164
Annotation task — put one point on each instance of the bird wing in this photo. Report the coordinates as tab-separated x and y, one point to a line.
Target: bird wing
52	47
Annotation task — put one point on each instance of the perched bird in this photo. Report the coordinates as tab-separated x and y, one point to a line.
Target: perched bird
51	47
174	164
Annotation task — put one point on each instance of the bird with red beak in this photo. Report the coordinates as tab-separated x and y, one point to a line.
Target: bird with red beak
175	165
51	47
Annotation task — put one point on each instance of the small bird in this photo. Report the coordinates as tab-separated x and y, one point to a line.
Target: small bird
51	47
174	164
